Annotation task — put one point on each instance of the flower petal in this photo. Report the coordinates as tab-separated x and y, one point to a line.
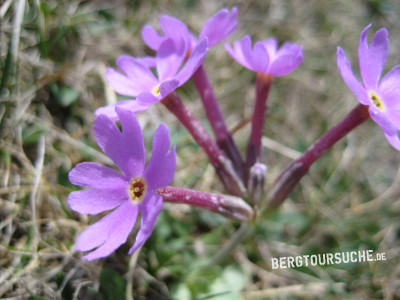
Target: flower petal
121	84
177	30
147	61
161	167
151	37
94	175
394	140
168	86
236	53
286	63
169	60
389	88
134	106
150	209
194	61
349	78
108	233
382	121
140	74
117	147
94	201
271	45
259	58
147	99
219	26
373	58
133	142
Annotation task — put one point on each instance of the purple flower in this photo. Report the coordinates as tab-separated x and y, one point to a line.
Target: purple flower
216	29
127	192
139	81
382	96
265	57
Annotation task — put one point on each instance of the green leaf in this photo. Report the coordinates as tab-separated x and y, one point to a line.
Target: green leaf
30	135
112	284
64	94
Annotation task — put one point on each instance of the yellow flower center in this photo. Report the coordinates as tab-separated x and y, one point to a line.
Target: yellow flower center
156	90
137	189
376	101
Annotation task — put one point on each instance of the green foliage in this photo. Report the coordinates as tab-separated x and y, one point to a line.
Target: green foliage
112	284
53	82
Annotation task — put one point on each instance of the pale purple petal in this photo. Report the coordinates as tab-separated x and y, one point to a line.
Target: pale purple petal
110	140
108	233
373	58
349	78
169	60
177	30
168	86
195	60
220	26
271	45
259	58
379	118
140	75
134	106
161	167
236	53
150	208
245	48
94	201
284	64
394	140
93	175
147	99
389	88
121	84
133	142
151	37
148	61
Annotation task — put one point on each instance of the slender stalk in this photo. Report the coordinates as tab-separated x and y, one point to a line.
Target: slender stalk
292	174
229	206
254	154
222	164
222	135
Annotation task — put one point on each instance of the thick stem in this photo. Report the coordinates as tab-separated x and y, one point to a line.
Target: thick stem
229	206
222	164
292	174
214	115
254	153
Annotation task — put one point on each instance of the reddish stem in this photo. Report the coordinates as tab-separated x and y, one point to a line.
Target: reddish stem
230	206
219	160
292	174
254	153
214	115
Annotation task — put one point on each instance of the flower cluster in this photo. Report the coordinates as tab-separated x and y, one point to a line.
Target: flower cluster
179	56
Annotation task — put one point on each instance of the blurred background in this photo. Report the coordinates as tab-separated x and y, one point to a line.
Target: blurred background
53	57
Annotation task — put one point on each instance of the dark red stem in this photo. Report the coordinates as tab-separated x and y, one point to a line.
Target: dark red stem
219	160
216	119
292	174
230	206
254	153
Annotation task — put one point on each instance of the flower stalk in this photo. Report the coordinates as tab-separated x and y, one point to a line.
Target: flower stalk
292	174
229	206
254	153
222	135
222	164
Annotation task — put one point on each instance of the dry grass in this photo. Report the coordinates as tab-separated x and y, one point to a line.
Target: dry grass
55	51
